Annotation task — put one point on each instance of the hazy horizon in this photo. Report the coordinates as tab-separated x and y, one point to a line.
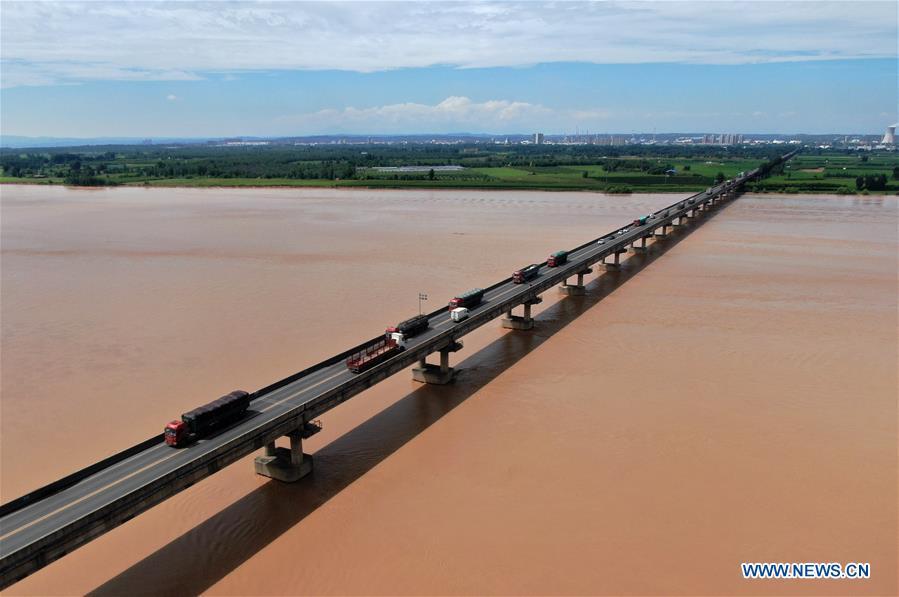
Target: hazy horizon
26	141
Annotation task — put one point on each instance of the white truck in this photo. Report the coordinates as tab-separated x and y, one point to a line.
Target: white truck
459	314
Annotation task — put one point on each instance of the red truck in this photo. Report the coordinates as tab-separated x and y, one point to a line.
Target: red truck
558	258
526	273
201	421
376	352
469	299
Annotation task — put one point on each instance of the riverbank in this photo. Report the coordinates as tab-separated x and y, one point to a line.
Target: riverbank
283	183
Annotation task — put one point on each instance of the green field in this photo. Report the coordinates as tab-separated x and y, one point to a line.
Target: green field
831	174
641	169
699	174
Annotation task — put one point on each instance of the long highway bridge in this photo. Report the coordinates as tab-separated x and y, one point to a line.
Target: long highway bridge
47	523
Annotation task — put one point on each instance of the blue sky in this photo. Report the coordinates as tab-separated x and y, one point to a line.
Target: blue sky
226	69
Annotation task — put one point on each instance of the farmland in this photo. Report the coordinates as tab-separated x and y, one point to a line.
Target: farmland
610	169
834	173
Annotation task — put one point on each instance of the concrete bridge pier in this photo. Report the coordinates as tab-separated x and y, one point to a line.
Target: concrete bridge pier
287	464
616	263
437	374
641	248
514	322
575	289
663	233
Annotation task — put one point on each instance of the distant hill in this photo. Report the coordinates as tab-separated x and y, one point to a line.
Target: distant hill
15	141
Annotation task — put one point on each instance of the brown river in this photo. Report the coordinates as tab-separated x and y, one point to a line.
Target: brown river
734	402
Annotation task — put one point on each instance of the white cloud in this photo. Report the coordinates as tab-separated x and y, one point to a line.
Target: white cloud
453	114
171	97
54	42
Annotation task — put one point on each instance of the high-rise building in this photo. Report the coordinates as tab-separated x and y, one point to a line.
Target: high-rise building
538	138
889	137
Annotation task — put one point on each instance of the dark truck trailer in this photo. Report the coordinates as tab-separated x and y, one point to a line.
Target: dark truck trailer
375	353
558	258
469	299
524	274
410	327
201	420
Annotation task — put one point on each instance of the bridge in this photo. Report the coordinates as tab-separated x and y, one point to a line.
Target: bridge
48	523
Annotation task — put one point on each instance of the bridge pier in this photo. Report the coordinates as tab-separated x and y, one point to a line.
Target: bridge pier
641	248
287	464
663	233
575	289
514	322
437	374
616	264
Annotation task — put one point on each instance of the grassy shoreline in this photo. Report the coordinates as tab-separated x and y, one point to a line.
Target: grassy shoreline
425	185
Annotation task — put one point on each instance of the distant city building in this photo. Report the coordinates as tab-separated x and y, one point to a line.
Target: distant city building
889	137
723	139
538	138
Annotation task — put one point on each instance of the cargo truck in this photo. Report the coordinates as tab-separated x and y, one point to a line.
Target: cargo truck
524	274
641	221
410	327
558	258
469	299
377	352
203	420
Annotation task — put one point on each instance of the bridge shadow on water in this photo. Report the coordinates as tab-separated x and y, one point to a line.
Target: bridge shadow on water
204	555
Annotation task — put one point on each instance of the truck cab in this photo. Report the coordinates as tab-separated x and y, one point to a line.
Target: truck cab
176	433
398	338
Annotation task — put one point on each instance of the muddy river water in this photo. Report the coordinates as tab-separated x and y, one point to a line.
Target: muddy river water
728	397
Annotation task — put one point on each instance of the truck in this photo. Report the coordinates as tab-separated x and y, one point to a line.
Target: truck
526	273
376	352
205	419
469	299
641	221
459	314
410	327
558	258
